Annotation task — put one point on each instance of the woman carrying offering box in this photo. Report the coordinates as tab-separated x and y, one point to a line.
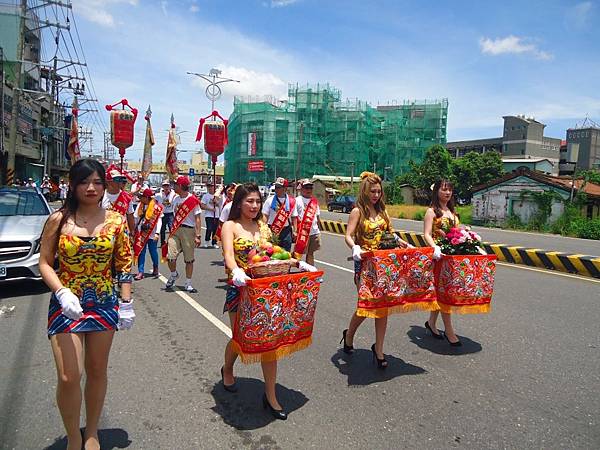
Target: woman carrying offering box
245	237
464	273
367	223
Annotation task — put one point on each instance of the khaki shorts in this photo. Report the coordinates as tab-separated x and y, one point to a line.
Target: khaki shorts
182	241
314	243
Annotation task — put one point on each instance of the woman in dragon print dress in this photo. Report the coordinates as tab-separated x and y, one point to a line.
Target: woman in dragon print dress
84	308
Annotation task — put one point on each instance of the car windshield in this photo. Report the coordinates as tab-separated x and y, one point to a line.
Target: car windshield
22	203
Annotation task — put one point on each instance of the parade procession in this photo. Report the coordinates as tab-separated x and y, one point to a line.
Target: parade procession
274	224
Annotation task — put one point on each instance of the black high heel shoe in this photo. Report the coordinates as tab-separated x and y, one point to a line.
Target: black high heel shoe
228	387
434	335
381	363
348	349
277	413
453	344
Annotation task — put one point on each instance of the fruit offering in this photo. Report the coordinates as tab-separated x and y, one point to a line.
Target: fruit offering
268	252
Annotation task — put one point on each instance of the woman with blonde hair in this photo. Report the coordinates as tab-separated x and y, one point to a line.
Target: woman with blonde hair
366	224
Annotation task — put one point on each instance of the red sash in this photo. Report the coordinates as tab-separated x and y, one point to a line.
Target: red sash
305	226
122	203
182	212
142	236
282	216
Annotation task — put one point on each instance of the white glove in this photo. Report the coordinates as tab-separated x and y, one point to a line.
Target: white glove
356	251
239	277
437	252
126	315
305	267
69	303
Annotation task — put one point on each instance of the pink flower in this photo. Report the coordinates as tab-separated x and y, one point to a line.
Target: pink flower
463	239
454	241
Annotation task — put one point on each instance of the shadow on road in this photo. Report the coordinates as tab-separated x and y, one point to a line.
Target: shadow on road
361	370
418	336
22	288
244	410
218	263
109	438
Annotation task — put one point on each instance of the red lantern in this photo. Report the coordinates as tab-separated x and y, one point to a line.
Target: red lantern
122	122
215	135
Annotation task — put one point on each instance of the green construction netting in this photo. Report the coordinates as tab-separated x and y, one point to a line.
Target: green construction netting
314	132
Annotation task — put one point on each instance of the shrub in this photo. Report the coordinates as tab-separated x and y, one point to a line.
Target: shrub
514	222
419	215
401	216
589	229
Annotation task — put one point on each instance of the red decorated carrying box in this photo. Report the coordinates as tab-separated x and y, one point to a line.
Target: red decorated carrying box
465	283
275	316
396	281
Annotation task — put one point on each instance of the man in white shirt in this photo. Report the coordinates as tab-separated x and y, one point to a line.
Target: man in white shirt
187	233
112	193
136	190
165	198
302	201
46	187
63	189
287	204
30	183
212	207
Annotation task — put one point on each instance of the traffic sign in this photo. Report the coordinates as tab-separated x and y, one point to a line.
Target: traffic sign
191	172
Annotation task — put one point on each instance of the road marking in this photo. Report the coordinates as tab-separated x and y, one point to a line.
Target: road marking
345	269
198	307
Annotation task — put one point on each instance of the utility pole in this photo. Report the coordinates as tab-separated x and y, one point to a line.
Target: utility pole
299	157
16	98
2	149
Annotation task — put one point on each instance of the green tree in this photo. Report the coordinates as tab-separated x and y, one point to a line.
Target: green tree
474	169
490	167
437	164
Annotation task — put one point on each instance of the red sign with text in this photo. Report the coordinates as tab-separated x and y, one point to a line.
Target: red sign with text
256	166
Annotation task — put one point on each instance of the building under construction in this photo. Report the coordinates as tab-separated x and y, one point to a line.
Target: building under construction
315	132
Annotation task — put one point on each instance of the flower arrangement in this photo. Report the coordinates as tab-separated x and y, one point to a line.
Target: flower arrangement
461	241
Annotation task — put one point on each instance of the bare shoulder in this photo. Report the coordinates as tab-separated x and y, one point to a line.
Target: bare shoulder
355	213
430	212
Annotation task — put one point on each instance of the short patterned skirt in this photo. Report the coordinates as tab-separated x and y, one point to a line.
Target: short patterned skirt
96	316
232	299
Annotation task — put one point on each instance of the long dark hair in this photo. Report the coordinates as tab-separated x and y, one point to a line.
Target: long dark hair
242	191
435	199
82	169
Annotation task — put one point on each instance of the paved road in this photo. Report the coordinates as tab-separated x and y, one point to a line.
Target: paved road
527	377
540	241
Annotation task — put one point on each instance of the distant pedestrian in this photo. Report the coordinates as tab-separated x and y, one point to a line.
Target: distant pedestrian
280	213
148	219
84	308
63	188
165	198
308	239
186	234
212	206
116	199
30	183
46	187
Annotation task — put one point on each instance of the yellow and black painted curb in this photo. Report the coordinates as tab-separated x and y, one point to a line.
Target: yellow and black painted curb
588	266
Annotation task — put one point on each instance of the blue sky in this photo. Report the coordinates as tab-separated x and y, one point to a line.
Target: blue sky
538	58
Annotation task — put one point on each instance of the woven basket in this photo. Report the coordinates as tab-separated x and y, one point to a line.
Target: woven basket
270	268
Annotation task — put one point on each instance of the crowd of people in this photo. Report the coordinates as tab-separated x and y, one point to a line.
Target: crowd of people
101	221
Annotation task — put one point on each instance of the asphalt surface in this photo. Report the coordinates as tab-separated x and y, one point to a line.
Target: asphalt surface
528	375
550	242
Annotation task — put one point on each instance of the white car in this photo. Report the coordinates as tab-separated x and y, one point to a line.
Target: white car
23	213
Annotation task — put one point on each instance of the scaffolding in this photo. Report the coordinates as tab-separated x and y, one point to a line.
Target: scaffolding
314	132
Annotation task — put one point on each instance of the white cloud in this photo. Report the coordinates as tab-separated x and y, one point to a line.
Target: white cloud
194	8
163	6
512	45
580	14
282	3
251	83
97	10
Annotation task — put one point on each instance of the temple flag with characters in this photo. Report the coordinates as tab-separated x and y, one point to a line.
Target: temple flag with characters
171	159
73	145
148	144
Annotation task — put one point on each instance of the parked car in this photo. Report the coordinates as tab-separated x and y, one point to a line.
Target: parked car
23	213
343	203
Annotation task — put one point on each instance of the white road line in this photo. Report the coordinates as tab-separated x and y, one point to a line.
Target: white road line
345	269
198	307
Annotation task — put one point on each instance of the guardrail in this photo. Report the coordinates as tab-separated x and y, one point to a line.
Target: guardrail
588	266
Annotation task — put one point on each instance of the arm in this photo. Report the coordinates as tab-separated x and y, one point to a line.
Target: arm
131	223
48	252
123	257
351	228
428	227
227	237
198	228
157	228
